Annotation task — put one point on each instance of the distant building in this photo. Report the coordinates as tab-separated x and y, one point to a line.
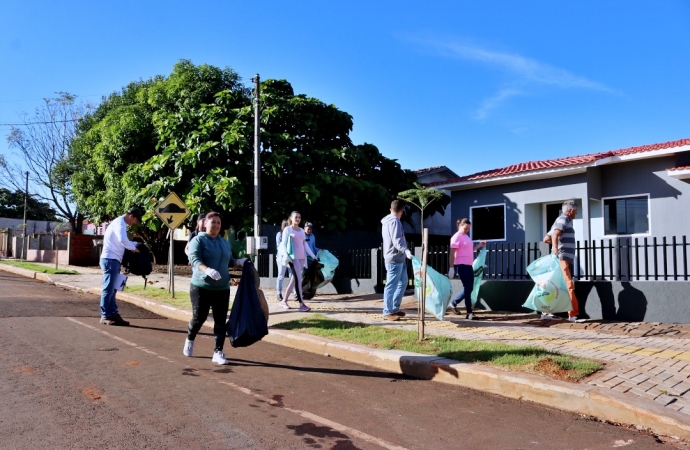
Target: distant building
437	224
638	192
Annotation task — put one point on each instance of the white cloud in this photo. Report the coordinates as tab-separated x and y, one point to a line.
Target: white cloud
525	68
492	102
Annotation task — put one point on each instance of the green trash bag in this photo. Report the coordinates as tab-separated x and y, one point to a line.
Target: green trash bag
438	289
550	293
330	263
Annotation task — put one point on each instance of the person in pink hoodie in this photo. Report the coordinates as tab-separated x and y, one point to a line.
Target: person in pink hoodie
298	258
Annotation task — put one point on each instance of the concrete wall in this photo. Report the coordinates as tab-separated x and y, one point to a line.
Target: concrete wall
339	285
648	301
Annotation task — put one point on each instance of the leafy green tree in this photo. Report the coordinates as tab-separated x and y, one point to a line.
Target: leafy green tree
192	133
12	207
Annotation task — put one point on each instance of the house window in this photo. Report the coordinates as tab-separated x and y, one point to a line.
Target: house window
488	222
626	215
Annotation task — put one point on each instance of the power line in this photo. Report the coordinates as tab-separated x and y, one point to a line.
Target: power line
36	123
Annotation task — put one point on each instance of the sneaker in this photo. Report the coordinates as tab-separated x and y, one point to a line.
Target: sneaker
391	317
572	319
280	297
304	308
107	321
219	358
284	305
188	349
471	316
453	307
120	321
399	313
546	316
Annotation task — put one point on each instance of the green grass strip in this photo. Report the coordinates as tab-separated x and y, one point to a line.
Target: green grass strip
39	268
513	357
162	295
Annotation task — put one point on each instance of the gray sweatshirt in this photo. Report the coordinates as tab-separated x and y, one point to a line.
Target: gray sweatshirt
394	243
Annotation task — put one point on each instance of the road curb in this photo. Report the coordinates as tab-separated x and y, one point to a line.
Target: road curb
602	403
26	273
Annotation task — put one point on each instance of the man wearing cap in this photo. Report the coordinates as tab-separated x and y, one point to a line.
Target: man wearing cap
115	242
310	238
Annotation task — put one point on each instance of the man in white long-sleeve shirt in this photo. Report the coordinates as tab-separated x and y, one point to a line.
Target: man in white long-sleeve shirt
115	242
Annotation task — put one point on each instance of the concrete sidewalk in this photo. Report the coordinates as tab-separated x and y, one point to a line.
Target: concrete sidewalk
646	381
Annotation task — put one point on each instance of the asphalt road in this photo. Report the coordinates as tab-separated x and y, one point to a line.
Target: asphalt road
68	382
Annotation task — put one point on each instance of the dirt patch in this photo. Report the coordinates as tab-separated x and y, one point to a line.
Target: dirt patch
551	368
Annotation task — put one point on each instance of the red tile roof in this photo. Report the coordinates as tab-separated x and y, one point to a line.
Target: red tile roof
567	161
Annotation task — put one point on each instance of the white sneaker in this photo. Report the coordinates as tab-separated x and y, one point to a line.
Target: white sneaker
545	316
219	358
572	319
188	349
284	305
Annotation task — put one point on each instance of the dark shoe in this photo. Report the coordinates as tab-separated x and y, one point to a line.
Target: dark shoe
120	321
454	309
399	313
107	321
471	316
391	317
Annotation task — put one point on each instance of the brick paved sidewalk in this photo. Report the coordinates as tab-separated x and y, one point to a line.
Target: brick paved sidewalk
652	363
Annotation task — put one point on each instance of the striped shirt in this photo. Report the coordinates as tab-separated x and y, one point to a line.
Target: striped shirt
566	242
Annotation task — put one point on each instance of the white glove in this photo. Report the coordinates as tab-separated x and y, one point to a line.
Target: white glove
408	254
212	273
451	273
240	262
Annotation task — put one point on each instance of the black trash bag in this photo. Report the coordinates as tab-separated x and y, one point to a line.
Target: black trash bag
311	280
247	323
140	263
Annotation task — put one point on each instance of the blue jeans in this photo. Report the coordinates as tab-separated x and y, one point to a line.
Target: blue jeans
466	274
111	269
396	283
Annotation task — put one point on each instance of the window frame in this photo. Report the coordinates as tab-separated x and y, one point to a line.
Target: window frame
505	226
617	197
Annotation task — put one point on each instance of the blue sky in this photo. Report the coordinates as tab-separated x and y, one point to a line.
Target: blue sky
468	84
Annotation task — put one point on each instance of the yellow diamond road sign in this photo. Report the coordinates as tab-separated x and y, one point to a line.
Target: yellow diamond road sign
172	211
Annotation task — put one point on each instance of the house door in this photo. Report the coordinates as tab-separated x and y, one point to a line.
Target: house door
553	210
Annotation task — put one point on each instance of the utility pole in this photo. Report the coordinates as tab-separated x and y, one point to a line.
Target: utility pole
257	169
26	201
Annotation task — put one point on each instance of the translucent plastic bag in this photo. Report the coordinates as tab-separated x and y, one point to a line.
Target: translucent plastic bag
330	263
550	293
438	289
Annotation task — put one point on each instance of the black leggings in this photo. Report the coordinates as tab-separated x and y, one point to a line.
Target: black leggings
466	274
203	299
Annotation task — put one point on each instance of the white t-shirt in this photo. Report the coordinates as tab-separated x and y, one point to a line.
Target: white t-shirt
115	240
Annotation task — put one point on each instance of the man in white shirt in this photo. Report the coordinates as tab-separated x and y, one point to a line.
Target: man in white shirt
115	242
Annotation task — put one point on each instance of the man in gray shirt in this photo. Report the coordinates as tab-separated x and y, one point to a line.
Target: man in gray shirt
394	253
563	238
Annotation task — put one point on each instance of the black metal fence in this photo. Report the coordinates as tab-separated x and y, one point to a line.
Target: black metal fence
620	259
633	259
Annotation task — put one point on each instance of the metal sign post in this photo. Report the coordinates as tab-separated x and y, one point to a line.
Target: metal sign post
172	211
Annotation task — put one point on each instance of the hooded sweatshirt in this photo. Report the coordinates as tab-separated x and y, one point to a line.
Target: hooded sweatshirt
394	243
